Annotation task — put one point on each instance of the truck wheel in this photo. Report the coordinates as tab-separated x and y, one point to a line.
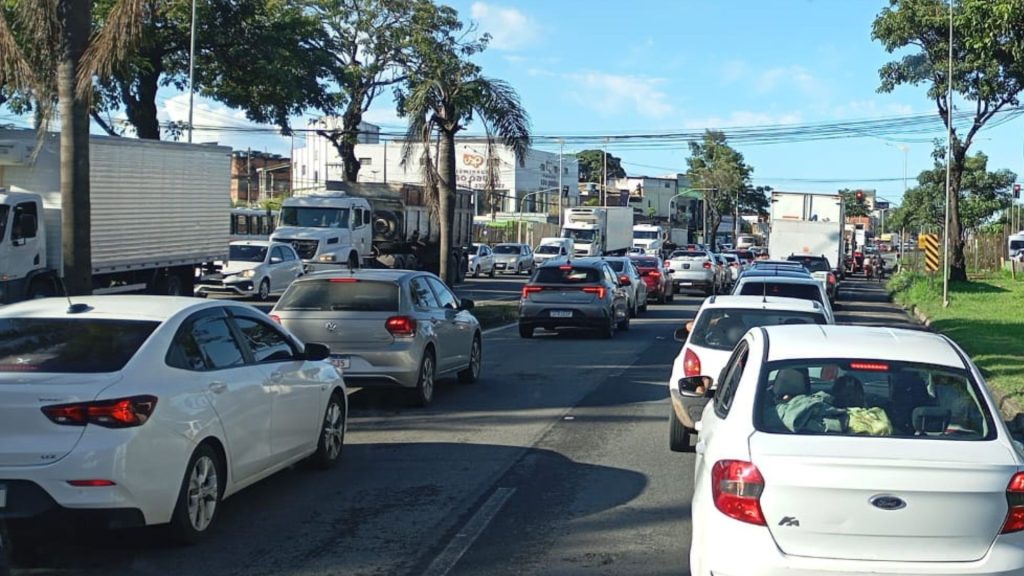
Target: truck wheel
41	288
170	286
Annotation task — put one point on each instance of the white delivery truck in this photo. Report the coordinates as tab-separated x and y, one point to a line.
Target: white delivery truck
159	211
650	238
599	231
552	247
808	224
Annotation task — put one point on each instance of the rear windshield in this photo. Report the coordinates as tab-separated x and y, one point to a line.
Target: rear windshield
722	328
865	397
567	275
812	264
786	290
506	249
688	254
328	295
549	249
647	262
70	345
616	265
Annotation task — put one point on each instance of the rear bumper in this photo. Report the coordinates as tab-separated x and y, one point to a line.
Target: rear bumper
396	366
26	500
539	316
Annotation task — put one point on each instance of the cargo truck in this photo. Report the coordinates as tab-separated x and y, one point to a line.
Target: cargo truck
159	210
808	224
380	225
599	231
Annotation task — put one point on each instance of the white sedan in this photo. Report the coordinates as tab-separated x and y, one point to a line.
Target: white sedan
254	268
841	450
149	410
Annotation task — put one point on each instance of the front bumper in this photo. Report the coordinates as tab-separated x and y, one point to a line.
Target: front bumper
239	287
508	267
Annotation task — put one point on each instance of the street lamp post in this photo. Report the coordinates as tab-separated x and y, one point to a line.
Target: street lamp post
191	68
949	150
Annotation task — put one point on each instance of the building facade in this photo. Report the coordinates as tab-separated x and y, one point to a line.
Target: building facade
258	176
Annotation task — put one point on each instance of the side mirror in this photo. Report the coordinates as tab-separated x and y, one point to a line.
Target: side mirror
681	334
314	352
696	386
275	260
466	304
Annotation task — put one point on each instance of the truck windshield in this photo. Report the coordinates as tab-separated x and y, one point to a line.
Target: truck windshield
1014	244
308	217
3	221
244	253
582	236
645	235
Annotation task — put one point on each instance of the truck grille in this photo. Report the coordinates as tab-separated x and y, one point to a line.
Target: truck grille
306	249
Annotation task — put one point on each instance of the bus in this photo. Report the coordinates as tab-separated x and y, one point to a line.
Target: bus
253	223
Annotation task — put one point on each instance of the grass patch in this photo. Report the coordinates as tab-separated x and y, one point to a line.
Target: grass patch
494	314
985	317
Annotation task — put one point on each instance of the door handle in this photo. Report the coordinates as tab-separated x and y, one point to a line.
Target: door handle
218	387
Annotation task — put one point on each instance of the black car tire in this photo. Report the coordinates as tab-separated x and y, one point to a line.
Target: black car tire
643	307
476	355
678	435
333	424
181	527
525	331
423	393
608	331
624	323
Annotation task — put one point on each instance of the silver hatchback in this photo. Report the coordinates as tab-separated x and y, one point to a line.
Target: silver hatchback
574	295
386	328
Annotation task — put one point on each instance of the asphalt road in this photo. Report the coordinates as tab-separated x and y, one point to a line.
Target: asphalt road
556	462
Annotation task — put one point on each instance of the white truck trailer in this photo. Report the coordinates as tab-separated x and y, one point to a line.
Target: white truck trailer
808	224
159	211
599	231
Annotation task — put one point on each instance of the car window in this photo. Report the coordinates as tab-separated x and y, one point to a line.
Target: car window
722	328
65	345
783	289
550	249
568	275
278	253
444	295
340	294
216	343
265	342
422	295
730	379
868	397
812	264
616	265
688	254
289	254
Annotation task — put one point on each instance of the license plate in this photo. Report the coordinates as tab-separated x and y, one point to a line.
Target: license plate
686	266
341	363
3	496
499	266
561	313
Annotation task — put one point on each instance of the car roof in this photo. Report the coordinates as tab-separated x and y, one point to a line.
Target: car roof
776	273
868	342
381	274
113	307
762	303
790	263
791	257
555	262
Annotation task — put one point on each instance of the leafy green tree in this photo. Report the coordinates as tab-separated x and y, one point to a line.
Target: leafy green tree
371	44
755	200
853	205
722	174
443	94
988	47
591	164
50	50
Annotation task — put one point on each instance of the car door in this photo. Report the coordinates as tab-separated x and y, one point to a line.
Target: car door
275	269
526	258
486	258
297	389
429	308
717	411
294	265
638	283
457	323
207	345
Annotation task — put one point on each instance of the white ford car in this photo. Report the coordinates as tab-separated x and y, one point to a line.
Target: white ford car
841	450
143	410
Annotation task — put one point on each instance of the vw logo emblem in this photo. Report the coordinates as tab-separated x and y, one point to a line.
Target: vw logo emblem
887	502
330	326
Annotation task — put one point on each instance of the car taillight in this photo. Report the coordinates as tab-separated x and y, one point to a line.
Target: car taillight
654	274
118	413
707	265
691	364
623	279
527	290
91	483
736	488
275	318
668	263
831	278
599	290
1015	501
401	326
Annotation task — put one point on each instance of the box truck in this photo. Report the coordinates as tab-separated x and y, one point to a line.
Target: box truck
599	231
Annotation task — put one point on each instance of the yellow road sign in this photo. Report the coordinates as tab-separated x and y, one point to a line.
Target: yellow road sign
930	244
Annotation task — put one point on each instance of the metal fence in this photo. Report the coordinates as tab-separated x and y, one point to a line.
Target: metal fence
512	231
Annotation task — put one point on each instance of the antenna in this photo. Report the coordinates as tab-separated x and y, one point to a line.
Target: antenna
72	307
764	292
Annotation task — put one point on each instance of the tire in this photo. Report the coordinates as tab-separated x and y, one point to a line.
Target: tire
353	262
197	480
476	354
41	288
671	295
519	270
423	394
525	331
643	307
332	434
624	324
264	290
493	272
662	298
476	272
169	285
678	435
609	331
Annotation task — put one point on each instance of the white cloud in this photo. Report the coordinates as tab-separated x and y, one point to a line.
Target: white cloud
509	28
216	121
790	78
384	114
614	94
514	59
743	118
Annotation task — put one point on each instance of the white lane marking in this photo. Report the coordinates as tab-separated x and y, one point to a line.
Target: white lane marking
455	549
499	328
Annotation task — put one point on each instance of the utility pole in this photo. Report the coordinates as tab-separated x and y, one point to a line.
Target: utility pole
949	151
248	176
191	68
561	151
604	185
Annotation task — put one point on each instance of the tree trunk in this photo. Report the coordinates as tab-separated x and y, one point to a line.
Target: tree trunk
141	107
347	144
446	205
76	226
957	261
715	220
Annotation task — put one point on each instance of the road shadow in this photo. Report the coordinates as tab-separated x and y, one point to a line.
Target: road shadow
388	509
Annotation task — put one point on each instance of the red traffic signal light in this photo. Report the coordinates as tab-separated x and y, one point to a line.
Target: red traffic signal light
1016	190
860	196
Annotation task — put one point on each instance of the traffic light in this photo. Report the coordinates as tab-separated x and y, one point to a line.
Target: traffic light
860	196
1016	190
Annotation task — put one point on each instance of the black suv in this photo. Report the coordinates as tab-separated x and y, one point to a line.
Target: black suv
822	269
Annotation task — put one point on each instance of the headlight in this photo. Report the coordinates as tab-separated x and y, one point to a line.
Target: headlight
326	258
248	274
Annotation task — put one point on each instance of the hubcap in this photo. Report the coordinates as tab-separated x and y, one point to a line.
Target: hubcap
334	430
264	290
202	493
427	378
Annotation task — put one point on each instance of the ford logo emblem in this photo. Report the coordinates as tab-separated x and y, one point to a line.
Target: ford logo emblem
330	326
887	502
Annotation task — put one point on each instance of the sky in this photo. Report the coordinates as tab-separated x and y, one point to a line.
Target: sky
602	68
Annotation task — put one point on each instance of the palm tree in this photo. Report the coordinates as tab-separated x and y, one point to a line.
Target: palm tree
441	97
49	53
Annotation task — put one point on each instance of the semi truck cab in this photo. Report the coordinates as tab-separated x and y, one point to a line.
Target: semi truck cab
327	230
22	245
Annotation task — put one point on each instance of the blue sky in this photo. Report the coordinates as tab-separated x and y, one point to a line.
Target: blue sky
596	67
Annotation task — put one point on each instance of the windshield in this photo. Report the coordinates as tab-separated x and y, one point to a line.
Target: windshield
647	263
61	345
645	235
325	295
722	328
307	217
3	221
616	265
549	249
581	236
812	264
687	254
567	275
784	289
868	397
242	253
506	249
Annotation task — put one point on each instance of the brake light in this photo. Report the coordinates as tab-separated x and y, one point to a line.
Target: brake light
401	326
623	279
599	290
668	263
344	280
1015	501
565	267
90	483
691	364
831	278
527	290
654	274
869	366
736	488
275	318
119	413
707	265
